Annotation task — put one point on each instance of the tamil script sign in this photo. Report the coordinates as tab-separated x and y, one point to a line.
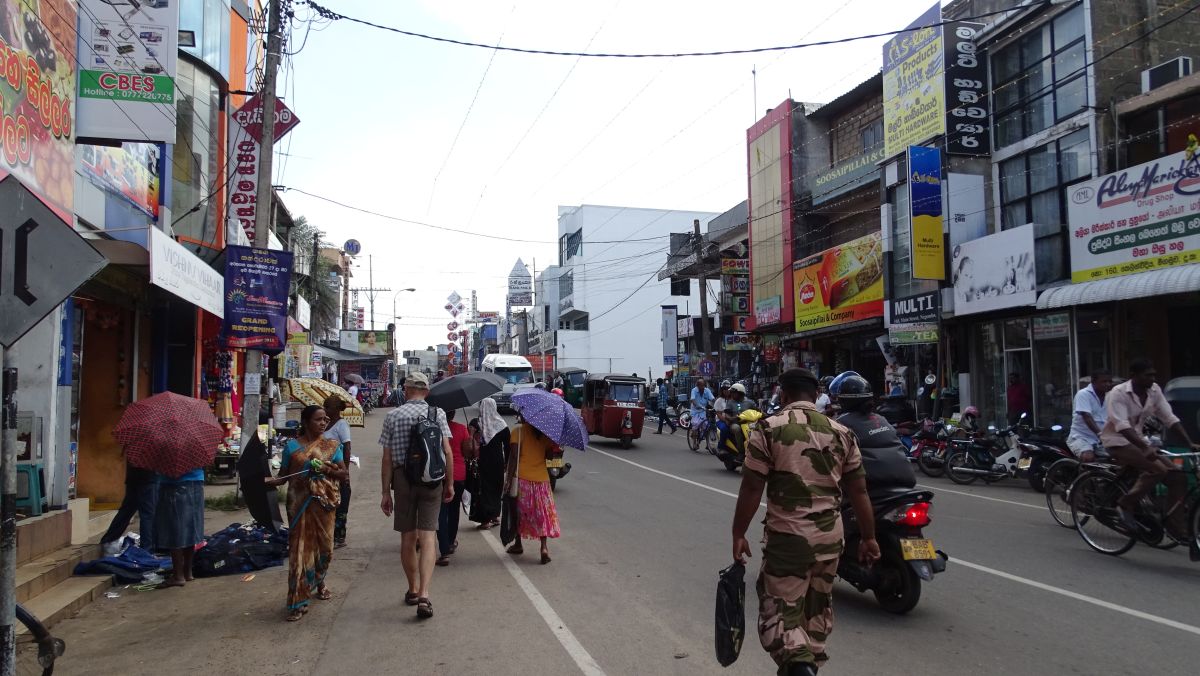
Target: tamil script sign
256	298
1142	218
913	100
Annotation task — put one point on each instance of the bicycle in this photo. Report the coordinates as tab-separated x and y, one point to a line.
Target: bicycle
705	431
1094	495
1059	477
36	649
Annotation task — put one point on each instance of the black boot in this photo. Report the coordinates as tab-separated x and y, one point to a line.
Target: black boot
801	669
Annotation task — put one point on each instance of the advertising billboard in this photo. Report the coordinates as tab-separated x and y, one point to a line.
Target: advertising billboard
131	171
256	298
520	286
365	342
767	311
925	205
995	272
39	103
840	285
914	108
127	53
1141	218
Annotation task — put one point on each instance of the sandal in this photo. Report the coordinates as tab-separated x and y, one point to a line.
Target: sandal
484	526
424	608
411	598
516	549
545	557
295	615
443	561
324	594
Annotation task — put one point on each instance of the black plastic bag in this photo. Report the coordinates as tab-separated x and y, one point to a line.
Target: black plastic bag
508	519
731	613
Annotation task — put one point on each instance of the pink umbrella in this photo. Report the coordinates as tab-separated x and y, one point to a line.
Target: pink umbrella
169	433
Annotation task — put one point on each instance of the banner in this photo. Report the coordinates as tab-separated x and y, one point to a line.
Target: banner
925	210
913	107
913	334
127	77
685	327
256	298
995	272
365	342
966	91
520	286
768	311
243	183
840	285
39	102
670	334
1142	218
735	266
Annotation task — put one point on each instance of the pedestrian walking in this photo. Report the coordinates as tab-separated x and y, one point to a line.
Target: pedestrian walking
179	522
805	461
417	508
141	498
451	512
537	518
338	429
317	465
493	437
664	398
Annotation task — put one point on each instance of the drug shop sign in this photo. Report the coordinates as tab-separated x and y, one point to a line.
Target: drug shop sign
1142	218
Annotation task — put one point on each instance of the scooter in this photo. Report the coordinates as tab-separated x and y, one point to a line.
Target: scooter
907	557
992	457
1041	448
555	466
733	452
930	446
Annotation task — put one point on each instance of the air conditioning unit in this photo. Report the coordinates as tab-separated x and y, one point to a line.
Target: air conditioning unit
1163	73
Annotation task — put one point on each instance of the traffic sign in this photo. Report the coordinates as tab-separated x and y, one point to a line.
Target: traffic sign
706	368
352	247
42	261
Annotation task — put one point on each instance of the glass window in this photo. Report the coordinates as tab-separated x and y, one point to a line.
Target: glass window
195	154
1038	80
1055	390
210	20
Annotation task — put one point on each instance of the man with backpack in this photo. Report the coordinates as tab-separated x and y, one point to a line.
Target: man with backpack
416	455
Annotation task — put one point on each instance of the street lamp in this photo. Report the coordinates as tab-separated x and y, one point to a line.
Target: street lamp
394	317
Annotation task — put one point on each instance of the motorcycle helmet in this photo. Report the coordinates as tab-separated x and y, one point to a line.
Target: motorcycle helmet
853	389
826	381
836	384
738	387
970	411
558	391
725	384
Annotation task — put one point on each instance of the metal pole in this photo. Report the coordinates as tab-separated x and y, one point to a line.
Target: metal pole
704	337
264	201
371	283
8	515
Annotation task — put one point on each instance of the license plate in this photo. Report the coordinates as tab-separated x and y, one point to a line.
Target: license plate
917	550
1024	463
554	464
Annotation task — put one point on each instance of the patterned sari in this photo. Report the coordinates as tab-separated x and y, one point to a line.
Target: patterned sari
312	500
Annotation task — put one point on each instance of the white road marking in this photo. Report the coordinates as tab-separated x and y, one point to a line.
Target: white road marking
574	648
981	497
1080	597
974	566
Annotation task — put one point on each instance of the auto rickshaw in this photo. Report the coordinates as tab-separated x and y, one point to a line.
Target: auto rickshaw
573	378
614	406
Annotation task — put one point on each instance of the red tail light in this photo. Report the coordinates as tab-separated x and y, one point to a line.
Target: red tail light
915	515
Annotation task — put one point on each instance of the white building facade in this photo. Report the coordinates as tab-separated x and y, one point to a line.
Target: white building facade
608	300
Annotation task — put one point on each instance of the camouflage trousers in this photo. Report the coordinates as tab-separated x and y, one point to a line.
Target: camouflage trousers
795	608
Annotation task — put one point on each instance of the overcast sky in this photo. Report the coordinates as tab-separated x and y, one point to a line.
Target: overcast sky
380	113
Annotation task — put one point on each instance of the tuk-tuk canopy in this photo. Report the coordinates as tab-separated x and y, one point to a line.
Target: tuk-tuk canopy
613	386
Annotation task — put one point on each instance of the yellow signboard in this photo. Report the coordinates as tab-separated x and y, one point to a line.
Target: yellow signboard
840	285
914	108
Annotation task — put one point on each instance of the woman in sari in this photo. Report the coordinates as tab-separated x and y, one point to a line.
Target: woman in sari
537	518
313	498
492	435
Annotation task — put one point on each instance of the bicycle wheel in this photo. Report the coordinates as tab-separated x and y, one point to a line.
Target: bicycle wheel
1057	484
685	420
1094	511
693	437
35	648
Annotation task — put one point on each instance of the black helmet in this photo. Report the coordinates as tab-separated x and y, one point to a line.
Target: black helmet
825	382
854	389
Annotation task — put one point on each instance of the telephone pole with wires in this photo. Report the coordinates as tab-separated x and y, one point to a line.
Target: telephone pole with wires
699	248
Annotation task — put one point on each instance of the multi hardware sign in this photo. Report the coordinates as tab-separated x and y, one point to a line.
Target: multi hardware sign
913	96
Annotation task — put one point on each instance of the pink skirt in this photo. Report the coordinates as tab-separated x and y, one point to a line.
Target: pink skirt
537	517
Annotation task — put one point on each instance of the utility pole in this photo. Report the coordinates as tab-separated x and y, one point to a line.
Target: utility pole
264	208
704	338
345	291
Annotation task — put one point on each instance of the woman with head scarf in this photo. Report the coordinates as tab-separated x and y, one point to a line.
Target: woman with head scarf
491	433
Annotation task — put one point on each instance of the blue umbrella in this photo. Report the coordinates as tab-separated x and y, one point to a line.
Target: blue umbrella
552	416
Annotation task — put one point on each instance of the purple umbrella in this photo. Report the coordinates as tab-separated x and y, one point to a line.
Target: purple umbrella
552	416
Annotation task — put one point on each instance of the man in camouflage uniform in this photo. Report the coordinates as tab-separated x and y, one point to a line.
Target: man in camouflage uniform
804	460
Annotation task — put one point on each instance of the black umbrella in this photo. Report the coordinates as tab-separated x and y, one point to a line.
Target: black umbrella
464	390
261	500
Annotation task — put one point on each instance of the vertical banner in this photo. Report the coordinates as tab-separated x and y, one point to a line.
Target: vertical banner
243	183
966	91
925	203
127	54
256	298
670	334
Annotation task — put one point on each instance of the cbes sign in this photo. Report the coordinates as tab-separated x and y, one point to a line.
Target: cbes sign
1143	218
840	285
966	91
914	108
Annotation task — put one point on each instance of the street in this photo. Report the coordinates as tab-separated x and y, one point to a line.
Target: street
631	589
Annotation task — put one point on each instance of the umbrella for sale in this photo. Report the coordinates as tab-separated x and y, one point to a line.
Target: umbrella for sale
262	500
552	416
355	378
314	392
169	433
464	389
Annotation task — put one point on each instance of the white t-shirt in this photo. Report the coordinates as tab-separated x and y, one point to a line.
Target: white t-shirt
340	431
1087	401
822	402
719	405
353	391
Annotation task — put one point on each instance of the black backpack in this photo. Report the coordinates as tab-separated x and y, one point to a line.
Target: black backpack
425	463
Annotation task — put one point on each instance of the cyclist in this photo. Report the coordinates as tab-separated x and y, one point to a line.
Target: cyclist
699	400
883	454
1089	417
1128	406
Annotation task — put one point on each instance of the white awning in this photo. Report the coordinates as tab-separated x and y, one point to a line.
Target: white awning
1182	279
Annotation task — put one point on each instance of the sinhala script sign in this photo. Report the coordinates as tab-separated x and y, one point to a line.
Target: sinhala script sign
1142	218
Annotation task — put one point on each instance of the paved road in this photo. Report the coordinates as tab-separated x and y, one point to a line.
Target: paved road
630	591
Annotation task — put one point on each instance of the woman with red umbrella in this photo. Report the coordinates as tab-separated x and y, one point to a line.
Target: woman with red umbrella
179	522
312	466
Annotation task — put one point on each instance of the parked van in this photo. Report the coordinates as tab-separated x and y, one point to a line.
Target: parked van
517	373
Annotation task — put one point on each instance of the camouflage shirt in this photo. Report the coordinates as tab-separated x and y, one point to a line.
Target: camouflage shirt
804	456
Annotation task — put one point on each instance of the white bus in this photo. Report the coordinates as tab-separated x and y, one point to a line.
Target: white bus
517	373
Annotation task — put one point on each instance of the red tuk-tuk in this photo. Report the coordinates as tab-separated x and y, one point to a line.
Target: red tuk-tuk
614	406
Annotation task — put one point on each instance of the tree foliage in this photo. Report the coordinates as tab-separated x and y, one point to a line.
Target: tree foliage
321	287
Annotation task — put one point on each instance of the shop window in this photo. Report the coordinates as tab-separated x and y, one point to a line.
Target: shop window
1033	189
1040	79
1023	363
872	136
1093	335
1055	389
987	372
1160	131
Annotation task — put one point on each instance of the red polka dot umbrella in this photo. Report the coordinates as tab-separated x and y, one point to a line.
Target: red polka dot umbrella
169	433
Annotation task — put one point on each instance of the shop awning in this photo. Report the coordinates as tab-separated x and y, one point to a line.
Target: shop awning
1182	279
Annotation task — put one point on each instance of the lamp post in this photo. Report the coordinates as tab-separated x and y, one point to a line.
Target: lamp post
395	319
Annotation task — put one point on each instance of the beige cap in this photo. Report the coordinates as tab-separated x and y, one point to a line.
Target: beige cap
417	380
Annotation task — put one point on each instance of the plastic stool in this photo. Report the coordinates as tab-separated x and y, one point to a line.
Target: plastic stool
29	488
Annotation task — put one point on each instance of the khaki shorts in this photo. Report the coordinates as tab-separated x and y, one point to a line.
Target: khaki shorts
414	507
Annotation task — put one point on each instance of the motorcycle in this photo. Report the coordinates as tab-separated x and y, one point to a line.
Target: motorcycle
555	466
907	431
930	446
907	557
992	457
733	451
1041	448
